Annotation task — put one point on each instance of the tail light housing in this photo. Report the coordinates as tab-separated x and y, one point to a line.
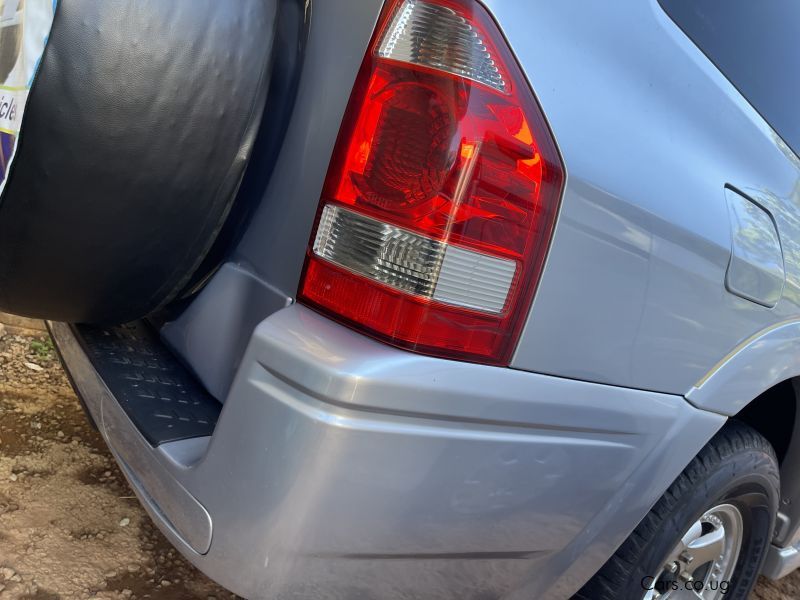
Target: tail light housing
441	196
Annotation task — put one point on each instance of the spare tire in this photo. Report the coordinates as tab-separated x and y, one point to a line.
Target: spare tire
136	133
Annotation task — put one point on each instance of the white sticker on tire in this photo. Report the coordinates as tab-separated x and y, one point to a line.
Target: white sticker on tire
24	28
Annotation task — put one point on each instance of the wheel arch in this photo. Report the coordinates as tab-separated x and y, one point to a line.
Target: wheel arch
775	414
757	365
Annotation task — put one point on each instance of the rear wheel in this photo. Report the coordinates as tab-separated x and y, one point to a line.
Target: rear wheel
707	536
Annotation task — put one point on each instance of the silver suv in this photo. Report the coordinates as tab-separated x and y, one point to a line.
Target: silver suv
429	299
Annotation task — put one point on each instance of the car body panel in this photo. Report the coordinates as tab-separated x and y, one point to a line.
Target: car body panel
633	293
214	347
265	265
760	362
344	465
651	133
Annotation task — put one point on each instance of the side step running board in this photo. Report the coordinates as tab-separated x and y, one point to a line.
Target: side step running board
781	561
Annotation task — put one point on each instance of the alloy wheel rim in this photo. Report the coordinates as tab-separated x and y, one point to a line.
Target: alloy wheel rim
701	564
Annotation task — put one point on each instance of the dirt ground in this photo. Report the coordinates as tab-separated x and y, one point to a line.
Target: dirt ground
69	525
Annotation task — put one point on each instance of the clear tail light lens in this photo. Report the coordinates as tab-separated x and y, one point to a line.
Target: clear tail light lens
441	196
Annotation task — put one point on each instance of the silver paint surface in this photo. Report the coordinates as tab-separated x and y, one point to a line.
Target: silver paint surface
342	467
361	459
755	271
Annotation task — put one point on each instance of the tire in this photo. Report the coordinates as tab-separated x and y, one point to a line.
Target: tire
136	134
738	469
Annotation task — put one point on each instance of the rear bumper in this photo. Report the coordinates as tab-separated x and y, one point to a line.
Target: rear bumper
344	468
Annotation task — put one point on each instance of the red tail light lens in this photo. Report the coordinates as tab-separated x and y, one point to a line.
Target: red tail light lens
440	200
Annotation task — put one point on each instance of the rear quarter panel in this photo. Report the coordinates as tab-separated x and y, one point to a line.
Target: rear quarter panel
651	132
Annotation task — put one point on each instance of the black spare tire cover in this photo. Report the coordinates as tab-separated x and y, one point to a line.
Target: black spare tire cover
135	137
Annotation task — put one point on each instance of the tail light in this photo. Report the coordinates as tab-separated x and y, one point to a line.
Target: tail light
439	203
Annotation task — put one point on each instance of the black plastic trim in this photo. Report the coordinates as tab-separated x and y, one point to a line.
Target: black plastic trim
160	396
